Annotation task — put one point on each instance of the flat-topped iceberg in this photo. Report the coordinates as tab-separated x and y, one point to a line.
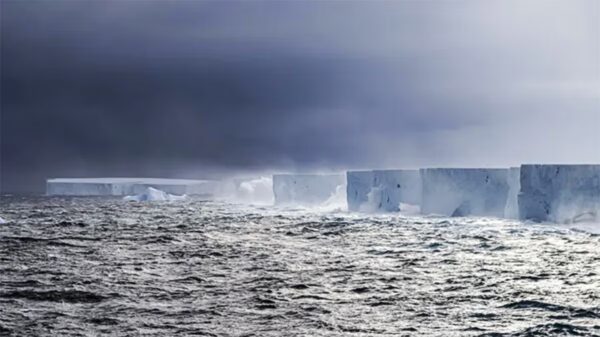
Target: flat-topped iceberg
382	190
152	194
511	211
358	186
127	186
463	192
305	189
560	193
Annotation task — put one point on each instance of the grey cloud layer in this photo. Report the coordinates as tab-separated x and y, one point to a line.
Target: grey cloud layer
157	88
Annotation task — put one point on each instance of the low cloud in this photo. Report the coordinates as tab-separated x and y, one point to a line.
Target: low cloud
197	88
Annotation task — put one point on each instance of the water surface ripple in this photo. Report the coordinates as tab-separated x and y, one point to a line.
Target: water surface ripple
94	266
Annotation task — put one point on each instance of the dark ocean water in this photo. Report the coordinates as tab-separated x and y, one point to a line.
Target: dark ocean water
93	267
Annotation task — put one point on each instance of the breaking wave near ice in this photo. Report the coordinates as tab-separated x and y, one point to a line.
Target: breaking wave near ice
103	266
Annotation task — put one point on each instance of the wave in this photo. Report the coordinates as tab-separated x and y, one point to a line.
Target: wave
255	191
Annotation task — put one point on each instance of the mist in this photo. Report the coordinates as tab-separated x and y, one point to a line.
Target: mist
207	89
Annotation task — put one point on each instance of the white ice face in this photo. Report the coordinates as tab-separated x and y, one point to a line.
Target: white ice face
305	189
511	211
397	187
382	190
463	192
152	194
359	185
127	186
560	193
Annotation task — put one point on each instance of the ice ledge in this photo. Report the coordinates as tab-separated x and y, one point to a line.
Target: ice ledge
382	190
127	186
465	191
560	193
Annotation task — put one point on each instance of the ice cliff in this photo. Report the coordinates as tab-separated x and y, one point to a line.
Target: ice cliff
152	194
560	193
463	192
382	190
127	186
511	210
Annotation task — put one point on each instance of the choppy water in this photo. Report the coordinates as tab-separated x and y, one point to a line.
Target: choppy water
87	267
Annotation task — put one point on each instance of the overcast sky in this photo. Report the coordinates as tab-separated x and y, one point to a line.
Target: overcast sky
190	88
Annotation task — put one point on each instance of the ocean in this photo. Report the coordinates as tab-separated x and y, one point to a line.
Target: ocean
105	267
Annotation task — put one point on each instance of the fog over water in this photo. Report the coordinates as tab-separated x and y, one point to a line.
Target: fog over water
206	88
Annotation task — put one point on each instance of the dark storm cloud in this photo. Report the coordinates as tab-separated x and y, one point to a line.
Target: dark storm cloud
160	88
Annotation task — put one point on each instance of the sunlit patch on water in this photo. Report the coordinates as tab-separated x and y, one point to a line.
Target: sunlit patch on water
100	266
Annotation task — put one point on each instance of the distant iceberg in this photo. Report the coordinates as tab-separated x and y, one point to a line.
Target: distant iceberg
127	186
2	221
511	211
383	190
560	193
464	192
152	194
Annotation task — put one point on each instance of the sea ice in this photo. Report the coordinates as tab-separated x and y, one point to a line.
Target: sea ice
152	194
382	190
560	193
305	189
462	192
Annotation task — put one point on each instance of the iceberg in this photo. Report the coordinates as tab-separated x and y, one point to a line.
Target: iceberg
398	186
358	186
2	221
305	189
382	190
152	194
511	211
127	186
464	192
560	193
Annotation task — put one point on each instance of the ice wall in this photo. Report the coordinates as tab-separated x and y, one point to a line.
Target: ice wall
152	194
305	189
127	186
358	186
511	210
382	190
462	192
560	193
89	187
398	186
